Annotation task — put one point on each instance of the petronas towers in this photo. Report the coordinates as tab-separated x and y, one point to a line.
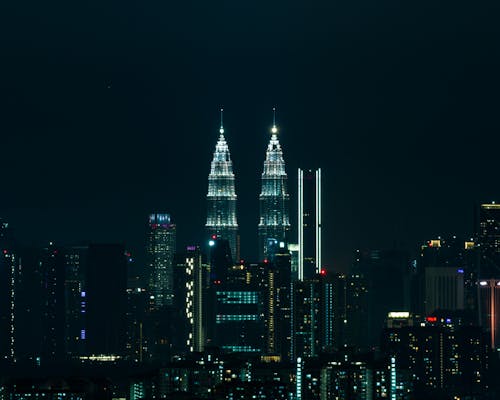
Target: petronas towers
221	197
274	222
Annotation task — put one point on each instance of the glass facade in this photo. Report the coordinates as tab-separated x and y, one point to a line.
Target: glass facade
161	246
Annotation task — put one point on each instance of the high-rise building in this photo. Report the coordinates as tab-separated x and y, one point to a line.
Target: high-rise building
274	222
442	353
238	310
312	316
74	284
196	278
221	197
8	280
309	223
160	251
277	304
106	300
444	289
489	309
53	313
386	274
351	312
488	239
445	276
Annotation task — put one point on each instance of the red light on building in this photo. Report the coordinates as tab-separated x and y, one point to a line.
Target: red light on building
5	252
323	272
431	319
214	237
266	261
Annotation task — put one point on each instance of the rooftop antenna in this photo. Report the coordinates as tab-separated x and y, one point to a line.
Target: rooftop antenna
221	130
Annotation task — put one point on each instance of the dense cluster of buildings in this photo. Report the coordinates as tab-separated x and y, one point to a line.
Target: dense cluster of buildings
199	322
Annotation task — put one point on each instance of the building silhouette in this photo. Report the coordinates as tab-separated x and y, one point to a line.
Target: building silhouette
106	300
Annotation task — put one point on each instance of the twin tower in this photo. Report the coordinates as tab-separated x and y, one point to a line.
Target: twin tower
274	222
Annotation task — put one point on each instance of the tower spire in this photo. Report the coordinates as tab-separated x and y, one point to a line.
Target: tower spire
221	130
274	129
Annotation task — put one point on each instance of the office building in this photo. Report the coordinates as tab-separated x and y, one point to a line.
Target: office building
488	239
309	223
160	251
195	308
386	274
105	300
489	309
8	288
312	316
75	259
442	354
277	304
238	310
53	273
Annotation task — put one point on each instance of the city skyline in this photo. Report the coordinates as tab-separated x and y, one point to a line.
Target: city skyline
397	106
280	200
198	235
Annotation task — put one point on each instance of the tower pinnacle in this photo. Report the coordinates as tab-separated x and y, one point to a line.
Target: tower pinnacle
221	130
274	129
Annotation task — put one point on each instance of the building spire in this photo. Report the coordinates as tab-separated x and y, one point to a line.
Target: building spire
221	130
274	129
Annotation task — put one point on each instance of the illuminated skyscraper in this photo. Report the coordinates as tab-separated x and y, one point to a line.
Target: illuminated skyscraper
196	276
221	197
488	239
8	280
309	218
160	252
489	303
274	222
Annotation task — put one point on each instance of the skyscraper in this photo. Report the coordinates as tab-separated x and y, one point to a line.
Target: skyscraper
8	279
309	220
274	222
160	252
196	276
221	196
488	239
106	300
489	305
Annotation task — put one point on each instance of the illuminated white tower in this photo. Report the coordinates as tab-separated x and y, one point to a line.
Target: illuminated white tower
274	222
309	219
221	197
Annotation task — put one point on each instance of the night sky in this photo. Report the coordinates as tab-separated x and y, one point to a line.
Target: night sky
109	110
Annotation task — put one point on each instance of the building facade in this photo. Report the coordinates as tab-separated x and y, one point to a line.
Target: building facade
160	251
309	223
274	222
221	196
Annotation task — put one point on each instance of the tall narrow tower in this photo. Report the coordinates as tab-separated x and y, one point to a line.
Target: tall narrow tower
309	218
160	250
274	222
221	197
